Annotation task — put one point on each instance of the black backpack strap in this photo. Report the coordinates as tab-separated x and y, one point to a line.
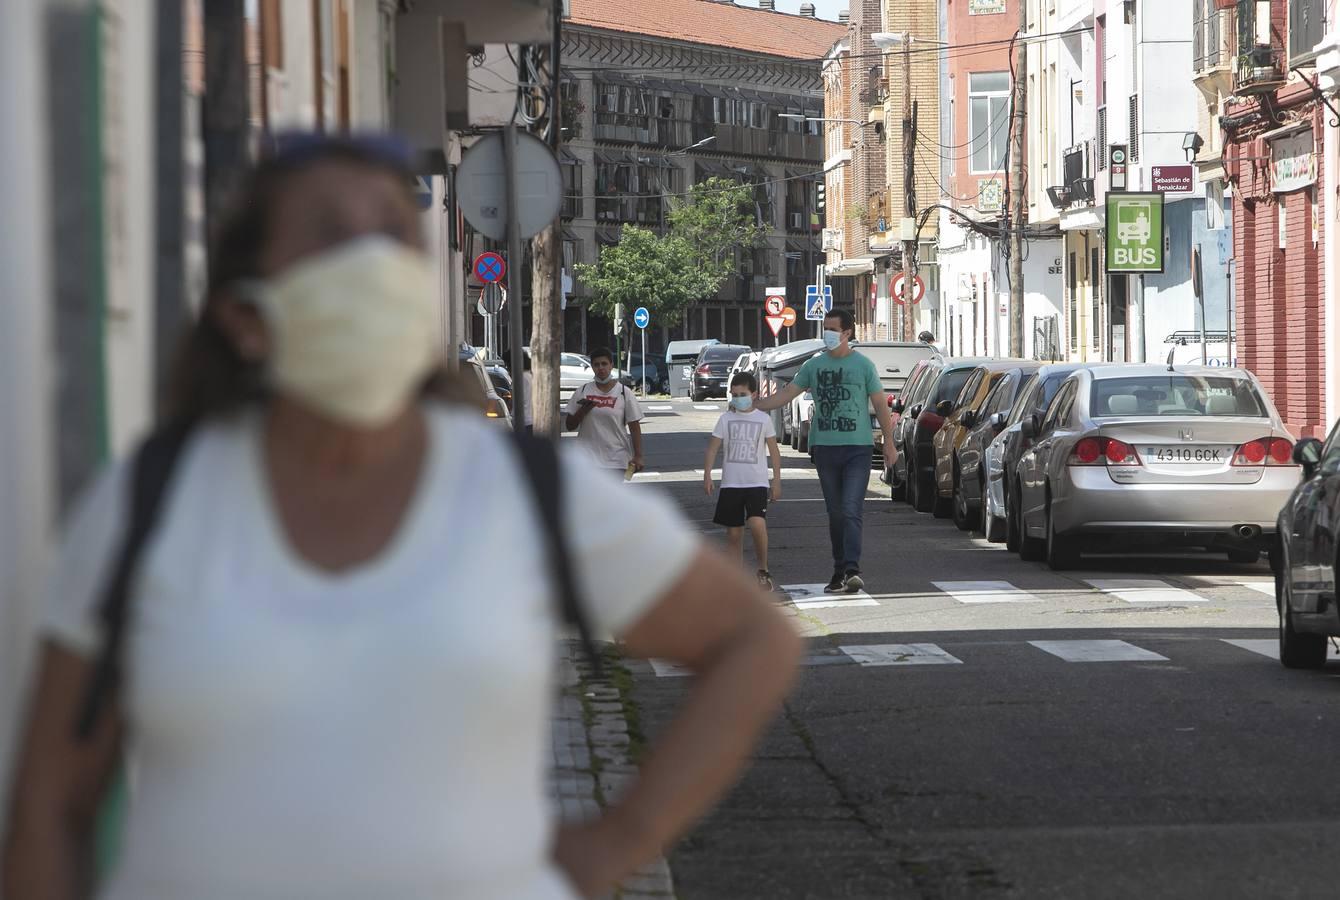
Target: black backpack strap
150	475
539	459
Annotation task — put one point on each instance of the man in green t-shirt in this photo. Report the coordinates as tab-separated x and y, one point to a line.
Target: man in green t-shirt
845	385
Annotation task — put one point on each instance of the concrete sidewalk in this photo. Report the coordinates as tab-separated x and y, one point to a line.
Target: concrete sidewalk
591	763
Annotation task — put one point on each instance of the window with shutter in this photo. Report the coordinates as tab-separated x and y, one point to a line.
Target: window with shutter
1213	47
1198	31
1135	128
1102	137
1307	25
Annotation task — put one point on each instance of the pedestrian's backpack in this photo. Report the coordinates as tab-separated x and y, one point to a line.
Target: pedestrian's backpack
151	475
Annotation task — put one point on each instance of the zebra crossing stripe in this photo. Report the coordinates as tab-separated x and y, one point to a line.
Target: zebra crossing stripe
706	407
1265	646
1262	587
899	655
985	592
664	669
661	407
812	596
1098	651
1142	590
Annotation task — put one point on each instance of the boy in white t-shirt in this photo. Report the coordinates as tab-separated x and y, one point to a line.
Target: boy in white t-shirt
750	441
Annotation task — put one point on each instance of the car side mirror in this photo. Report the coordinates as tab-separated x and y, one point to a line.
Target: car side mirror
969	419
1029	426
896	406
1307	453
998	422
915	411
945	407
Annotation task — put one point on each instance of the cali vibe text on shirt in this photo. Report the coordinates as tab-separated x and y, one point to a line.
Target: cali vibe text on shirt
831	399
742	443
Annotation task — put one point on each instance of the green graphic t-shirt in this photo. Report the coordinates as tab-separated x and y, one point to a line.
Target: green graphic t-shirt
841	390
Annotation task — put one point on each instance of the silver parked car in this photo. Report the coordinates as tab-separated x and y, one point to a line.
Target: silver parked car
1145	454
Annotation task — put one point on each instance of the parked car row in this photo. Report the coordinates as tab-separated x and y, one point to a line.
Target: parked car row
1060	460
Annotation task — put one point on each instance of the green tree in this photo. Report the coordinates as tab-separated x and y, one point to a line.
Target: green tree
668	274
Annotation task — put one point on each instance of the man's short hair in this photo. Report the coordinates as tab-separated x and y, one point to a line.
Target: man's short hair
747	379
602	353
845	317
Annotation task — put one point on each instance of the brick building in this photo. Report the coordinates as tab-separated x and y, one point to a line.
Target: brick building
1273	146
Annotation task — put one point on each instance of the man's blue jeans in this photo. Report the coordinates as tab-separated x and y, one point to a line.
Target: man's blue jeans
844	476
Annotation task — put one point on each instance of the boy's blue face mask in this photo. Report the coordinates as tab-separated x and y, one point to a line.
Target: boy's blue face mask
832	339
741	404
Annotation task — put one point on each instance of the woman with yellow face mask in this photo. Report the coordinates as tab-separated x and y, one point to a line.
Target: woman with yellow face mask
329	669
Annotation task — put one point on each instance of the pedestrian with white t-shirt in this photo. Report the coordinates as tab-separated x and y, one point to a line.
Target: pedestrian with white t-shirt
750	441
271	615
607	419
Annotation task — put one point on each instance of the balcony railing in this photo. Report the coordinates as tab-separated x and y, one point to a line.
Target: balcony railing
1259	70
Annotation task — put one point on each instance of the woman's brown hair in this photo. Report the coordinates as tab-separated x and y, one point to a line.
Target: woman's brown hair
209	378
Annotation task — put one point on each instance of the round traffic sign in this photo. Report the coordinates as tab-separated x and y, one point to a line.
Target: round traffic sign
641	317
775	304
918	289
491	298
788	316
490	267
1118	156
481	186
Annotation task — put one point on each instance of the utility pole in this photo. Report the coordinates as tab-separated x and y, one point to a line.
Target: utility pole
909	193
547	276
1016	177
226	122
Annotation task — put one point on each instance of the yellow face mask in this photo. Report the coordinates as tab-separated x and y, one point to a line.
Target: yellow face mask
352	330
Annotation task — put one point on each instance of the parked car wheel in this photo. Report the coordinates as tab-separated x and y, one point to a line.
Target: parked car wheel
941	507
1297	650
897	489
963	517
1244	557
1013	530
1062	552
923	491
1030	548
803	437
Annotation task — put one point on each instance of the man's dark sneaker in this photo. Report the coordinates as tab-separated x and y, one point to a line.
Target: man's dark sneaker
837	584
853	582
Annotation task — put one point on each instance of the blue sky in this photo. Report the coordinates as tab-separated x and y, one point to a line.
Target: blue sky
825	9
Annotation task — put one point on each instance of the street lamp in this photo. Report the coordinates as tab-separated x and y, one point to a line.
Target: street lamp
878	123
683	150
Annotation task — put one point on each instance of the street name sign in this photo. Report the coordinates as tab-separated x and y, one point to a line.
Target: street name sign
1135	232
1172	179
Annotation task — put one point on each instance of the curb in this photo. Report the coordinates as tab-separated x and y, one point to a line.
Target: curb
591	762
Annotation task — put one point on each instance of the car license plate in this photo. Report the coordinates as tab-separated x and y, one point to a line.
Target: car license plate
1201	455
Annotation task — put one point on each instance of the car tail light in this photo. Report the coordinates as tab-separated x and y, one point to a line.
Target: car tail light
1103	451
1266	451
704	369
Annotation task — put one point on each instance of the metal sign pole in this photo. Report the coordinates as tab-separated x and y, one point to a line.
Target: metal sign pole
516	323
644	363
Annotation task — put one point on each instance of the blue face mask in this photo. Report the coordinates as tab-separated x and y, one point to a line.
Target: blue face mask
741	404
832	339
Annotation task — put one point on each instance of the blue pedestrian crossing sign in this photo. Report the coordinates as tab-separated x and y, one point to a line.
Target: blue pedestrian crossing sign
817	307
641	318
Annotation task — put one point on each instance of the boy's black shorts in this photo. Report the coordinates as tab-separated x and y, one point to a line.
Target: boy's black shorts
735	505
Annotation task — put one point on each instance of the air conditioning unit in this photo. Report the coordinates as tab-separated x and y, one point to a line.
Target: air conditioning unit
795	221
832	238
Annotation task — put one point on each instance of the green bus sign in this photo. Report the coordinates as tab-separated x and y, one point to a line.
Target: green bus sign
1134	232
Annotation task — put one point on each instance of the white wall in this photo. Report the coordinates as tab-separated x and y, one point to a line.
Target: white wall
129	201
292	98
26	390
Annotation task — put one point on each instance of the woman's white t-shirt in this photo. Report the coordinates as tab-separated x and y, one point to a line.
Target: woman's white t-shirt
382	732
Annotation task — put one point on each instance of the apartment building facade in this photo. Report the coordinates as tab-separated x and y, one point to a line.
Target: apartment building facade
660	97
1275	132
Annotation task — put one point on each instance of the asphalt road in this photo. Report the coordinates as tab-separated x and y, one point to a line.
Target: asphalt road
1044	735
